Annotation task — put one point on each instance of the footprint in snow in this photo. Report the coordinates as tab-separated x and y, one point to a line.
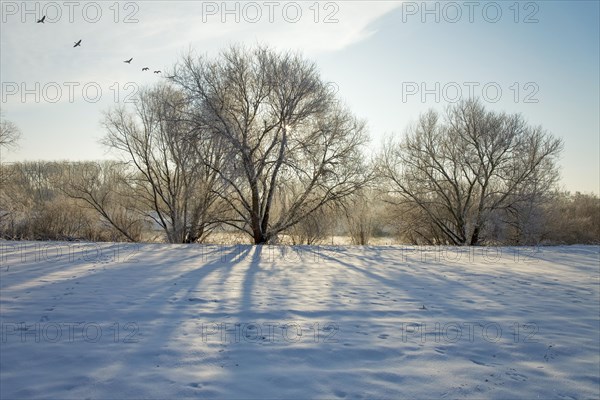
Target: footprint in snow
514	375
478	362
199	300
550	353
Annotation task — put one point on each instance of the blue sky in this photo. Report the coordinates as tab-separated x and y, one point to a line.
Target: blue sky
389	60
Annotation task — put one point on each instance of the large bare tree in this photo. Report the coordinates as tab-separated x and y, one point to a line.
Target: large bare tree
171	179
461	170
290	148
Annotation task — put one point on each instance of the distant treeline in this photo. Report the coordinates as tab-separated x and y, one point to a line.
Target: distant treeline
47	201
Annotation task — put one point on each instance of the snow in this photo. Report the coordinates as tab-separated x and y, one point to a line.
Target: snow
106	321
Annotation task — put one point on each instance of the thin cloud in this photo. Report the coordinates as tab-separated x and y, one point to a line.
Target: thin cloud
331	28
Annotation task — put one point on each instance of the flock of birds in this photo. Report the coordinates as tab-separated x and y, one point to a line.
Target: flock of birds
78	44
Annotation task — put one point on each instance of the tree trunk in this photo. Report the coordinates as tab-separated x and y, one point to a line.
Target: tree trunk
475	236
260	238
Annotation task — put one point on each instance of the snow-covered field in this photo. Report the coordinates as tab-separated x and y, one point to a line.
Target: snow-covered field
117	321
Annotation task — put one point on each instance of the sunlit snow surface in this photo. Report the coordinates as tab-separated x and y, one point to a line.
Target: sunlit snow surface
117	321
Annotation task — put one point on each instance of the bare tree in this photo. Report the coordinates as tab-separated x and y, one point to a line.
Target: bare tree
173	183
289	147
9	133
462	170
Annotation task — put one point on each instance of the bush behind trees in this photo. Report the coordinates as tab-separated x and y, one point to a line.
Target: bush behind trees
34	205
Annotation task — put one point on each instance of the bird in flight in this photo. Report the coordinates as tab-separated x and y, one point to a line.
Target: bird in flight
145	69
157	72
78	43
128	61
41	20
